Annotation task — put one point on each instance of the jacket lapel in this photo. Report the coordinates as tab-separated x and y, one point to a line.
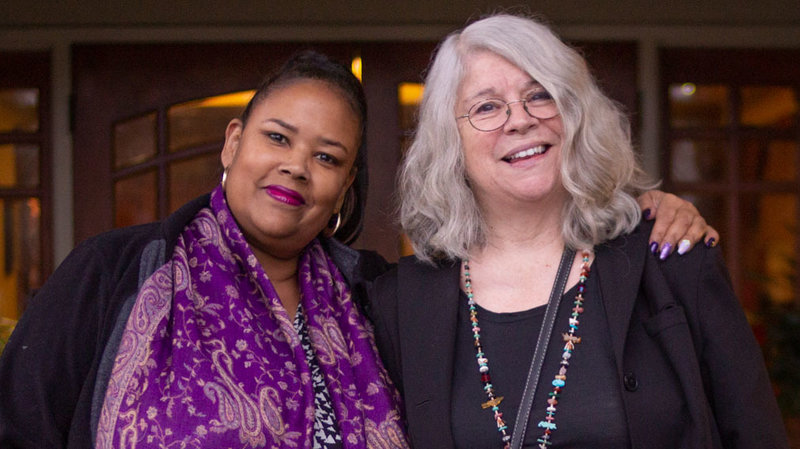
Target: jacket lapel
619	266
428	309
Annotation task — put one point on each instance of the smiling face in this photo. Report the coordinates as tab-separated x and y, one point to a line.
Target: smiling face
290	166
518	163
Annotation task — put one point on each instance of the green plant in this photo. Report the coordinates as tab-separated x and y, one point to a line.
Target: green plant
782	352
780	322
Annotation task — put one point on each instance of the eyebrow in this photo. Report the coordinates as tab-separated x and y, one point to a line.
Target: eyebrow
294	129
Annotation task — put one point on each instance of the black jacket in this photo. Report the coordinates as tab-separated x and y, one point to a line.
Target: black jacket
691	372
55	367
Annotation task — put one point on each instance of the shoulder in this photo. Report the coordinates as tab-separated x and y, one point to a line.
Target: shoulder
685	271
628	258
624	256
357	265
122	246
698	280
412	266
383	291
117	243
411	269
372	264
99	272
630	243
637	242
106	267
414	276
64	330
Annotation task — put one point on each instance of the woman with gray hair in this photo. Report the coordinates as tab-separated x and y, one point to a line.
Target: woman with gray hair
520	167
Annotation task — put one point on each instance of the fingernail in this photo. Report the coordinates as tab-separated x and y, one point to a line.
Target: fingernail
654	248
711	242
646	214
683	246
665	250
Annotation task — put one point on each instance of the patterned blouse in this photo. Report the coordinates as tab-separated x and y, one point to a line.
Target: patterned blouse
326	431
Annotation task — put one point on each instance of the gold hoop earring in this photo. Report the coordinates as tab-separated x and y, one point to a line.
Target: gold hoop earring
338	223
224	177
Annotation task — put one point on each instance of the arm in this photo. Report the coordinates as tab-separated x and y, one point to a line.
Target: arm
678	224
383	314
731	361
44	368
719	364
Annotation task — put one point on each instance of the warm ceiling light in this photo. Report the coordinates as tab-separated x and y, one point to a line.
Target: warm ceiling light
688	89
410	93
235	99
356	67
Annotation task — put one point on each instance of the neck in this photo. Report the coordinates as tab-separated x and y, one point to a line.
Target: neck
516	267
529	230
282	273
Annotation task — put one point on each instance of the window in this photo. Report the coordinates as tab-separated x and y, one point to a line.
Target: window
24	181
732	144
151	178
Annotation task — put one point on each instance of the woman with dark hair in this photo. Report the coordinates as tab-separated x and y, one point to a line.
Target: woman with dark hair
235	321
536	311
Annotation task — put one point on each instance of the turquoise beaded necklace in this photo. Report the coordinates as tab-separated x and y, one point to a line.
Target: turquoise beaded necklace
559	381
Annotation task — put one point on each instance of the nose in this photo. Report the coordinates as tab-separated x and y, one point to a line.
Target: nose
518	117
295	165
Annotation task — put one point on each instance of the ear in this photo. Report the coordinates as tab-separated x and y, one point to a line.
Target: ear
233	137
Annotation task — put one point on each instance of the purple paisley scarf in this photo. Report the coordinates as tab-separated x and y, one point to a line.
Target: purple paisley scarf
210	359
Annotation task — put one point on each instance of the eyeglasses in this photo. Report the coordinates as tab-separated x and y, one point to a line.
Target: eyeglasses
491	114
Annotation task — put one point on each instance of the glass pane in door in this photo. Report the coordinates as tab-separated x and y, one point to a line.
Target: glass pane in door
692	106
136	199
19	109
135	140
190	178
695	160
203	121
763	159
19	165
409	97
20	265
770	223
769	106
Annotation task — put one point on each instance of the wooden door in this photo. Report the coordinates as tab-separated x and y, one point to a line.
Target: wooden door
127	93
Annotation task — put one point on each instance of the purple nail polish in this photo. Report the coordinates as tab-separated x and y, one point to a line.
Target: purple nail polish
654	248
665	251
711	242
646	214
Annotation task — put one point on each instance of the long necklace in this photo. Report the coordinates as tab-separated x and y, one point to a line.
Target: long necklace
559	381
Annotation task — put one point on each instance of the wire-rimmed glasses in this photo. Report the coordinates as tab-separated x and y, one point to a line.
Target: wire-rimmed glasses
492	113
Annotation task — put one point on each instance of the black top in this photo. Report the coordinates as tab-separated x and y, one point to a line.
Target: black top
586	415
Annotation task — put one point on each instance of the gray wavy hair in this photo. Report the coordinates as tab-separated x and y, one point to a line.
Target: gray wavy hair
599	169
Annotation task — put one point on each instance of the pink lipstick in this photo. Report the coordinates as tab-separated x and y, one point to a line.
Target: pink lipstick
285	195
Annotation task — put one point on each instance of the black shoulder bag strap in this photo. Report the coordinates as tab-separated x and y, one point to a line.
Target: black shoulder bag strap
526	403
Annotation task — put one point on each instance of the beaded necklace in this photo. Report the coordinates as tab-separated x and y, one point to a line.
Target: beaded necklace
559	381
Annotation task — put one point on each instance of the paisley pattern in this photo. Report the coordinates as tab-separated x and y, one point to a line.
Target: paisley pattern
210	359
